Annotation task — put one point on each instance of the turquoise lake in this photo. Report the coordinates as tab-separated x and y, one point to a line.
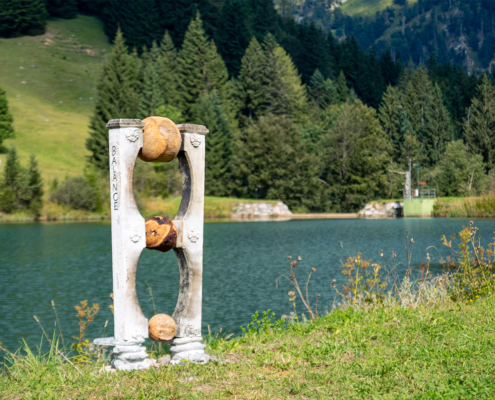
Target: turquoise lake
70	262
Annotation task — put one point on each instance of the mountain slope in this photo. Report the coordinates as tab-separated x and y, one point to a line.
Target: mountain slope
51	83
461	32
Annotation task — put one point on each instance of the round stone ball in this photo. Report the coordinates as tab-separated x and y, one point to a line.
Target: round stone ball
162	328
161	140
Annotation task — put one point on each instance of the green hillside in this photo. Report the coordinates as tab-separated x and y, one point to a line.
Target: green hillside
365	7
368	7
50	82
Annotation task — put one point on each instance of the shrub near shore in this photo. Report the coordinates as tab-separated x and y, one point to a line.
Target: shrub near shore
469	207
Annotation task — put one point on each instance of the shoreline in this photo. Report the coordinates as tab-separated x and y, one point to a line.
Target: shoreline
99	218
281	218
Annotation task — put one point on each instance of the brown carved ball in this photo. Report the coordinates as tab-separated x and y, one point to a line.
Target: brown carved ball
161	140
162	328
161	234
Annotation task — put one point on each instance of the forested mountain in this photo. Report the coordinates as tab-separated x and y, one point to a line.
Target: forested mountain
457	31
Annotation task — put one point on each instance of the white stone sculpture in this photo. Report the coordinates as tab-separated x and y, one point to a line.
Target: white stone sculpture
129	239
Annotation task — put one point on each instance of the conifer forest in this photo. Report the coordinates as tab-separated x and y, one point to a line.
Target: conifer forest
304	103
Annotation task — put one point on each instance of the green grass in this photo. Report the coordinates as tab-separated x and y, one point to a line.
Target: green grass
445	352
368	8
49	118
468	207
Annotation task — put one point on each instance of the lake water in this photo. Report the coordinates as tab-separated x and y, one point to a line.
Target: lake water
70	262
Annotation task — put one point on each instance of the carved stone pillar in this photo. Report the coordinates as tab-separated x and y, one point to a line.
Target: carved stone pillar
129	236
189	248
128	241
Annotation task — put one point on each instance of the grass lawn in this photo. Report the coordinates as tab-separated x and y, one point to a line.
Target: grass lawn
444	352
51	86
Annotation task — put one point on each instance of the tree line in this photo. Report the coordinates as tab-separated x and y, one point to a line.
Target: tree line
318	147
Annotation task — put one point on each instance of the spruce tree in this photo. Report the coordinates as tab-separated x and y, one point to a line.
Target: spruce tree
461	173
356	162
264	18
291	85
480	128
208	111
271	162
313	53
389	118
152	93
62	8
416	98
322	92
232	34
139	21
117	98
342	88
166	68
6	120
413	107
152	90
411	146
34	188
22	17
249	96
438	131
13	183
201	70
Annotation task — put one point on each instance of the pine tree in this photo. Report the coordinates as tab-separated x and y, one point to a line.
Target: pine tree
152	93
438	131
270	162
12	187
342	88
139	21
389	118
264	18
62	8
249	96
152	90
166	67
312	52
357	157
416	98
201	69
232	35
413	107
34	188
117	98
411	146
480	129
461	173
208	111
6	120
322	92
22	17
291	85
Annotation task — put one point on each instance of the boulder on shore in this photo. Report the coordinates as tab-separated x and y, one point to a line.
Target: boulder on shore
260	210
390	209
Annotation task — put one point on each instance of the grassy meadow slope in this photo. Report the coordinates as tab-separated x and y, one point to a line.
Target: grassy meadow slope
51	83
368	8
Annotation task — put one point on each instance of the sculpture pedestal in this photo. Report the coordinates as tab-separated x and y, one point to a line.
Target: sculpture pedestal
188	348
129	354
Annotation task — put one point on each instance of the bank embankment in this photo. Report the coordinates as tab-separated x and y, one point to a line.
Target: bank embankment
216	208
